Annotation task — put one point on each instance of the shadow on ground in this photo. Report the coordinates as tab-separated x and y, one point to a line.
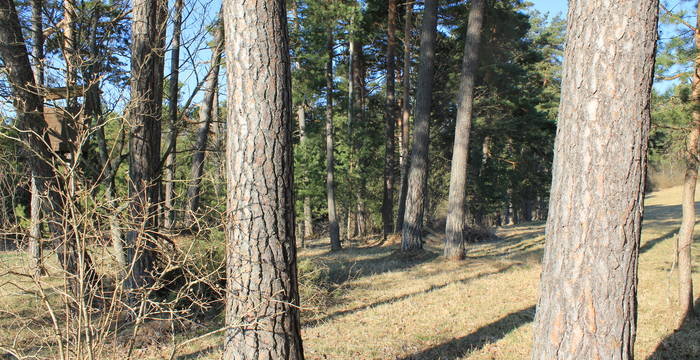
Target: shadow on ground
683	344
488	334
465	280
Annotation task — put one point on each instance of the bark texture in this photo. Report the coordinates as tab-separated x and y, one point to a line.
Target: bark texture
412	231
262	296
456	217
685	235
173	95
206	115
405	115
333	226
144	143
389	118
588	290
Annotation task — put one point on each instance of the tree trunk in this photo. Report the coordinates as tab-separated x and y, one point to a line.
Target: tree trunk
29	111
456	226
333	226
144	143
308	220
405	115
389	118
412	237
169	176
685	235
205	118
262	305
588	290
35	249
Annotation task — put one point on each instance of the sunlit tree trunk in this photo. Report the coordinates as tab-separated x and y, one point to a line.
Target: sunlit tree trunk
588	290
685	235
405	115
389	118
333	226
456	224
262	304
412	237
308	218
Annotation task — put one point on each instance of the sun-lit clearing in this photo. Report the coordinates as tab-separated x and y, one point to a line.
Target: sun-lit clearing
369	301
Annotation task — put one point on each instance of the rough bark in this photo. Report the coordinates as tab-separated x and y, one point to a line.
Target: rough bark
405	115
455	229
262	297
206	114
308	219
412	237
333	226
29	111
685	235
144	143
588	290
389	118
173	95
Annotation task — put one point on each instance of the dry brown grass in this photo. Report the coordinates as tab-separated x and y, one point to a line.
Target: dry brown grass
372	302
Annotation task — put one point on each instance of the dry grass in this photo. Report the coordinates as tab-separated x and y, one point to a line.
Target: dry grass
371	302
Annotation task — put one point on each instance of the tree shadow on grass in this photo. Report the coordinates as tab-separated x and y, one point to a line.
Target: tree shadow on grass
683	344
475	341
340	313
653	242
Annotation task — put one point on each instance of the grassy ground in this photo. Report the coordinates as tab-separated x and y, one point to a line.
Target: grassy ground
371	302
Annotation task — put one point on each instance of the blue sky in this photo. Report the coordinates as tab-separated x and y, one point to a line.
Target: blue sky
551	6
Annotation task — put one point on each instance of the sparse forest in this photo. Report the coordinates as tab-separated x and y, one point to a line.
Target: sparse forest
342	179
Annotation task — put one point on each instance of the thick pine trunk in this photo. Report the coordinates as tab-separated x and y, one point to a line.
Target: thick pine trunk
405	116
588	290
206	114
262	307
685	235
456	225
144	143
173	95
333	226
412	231
389	121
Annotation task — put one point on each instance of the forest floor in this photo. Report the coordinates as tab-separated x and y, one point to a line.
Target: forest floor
369	301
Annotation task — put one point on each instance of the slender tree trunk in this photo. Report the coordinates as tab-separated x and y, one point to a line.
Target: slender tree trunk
308	219
333	226
405	115
262	307
685	235
205	118
35	249
456	225
170	163
412	232
588	289
144	143
29	110
389	118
